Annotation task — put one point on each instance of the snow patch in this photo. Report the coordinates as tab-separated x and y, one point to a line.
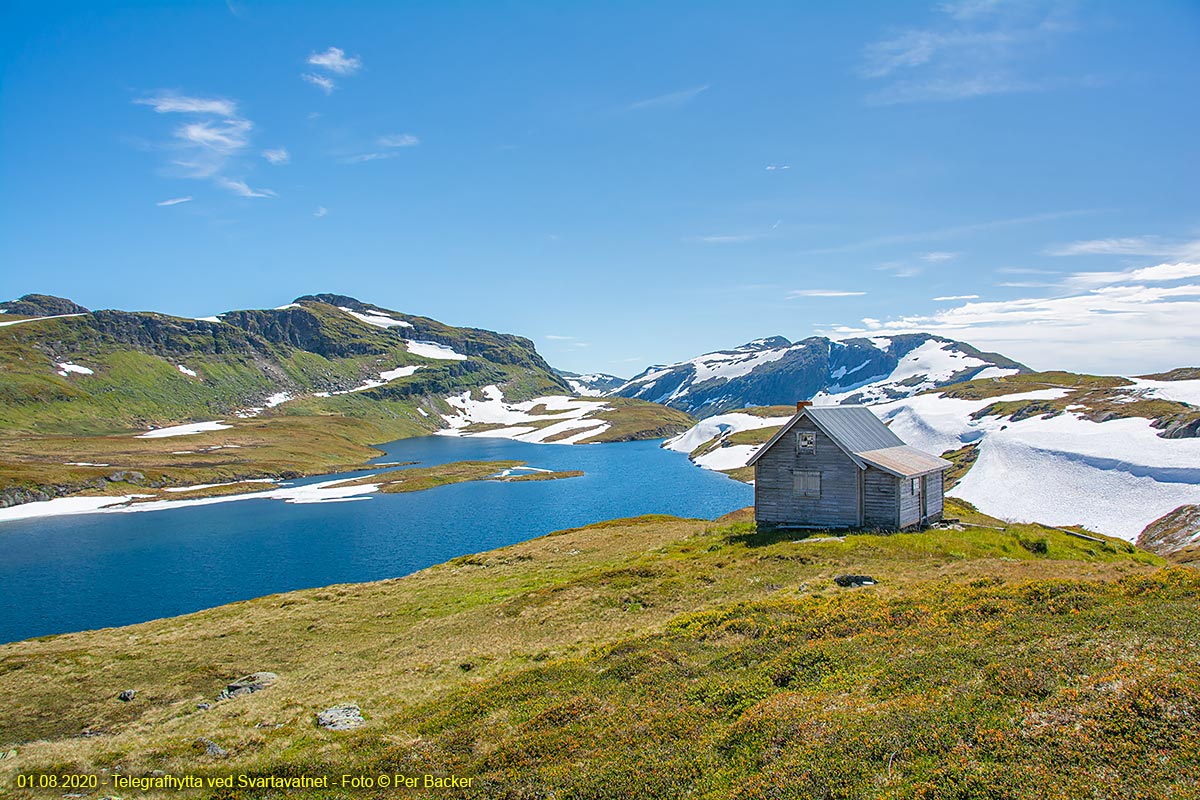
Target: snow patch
434	350
568	415
183	430
36	319
67	366
379	320
1179	391
191	373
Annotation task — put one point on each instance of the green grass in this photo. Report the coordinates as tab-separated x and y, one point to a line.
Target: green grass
660	657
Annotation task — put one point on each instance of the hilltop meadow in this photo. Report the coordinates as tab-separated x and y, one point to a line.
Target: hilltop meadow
662	657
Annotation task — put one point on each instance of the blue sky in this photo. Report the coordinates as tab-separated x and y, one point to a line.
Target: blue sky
624	183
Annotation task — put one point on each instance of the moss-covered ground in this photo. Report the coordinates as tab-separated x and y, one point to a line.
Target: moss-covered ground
663	657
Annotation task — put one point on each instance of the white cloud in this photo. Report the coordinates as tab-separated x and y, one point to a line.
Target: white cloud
392	142
174	201
977	48
320	81
821	293
1119	325
557	338
172	102
727	239
240	188
938	256
956	297
360	158
398	140
320	212
335	60
278	156
672	100
1129	246
774	167
224	136
1156	274
204	147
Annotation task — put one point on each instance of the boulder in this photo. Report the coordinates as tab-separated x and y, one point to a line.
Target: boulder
848	581
211	748
128	476
344	717
248	684
127	695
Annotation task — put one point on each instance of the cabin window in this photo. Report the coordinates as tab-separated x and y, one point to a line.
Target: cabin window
916	484
807	483
806	442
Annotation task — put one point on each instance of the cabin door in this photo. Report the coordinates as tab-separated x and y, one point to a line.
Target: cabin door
924	500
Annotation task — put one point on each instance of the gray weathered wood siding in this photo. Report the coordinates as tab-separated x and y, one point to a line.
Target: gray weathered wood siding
910	503
934	487
880	499
775	499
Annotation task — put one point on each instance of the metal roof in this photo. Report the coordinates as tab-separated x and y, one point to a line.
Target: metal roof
858	432
856	428
904	461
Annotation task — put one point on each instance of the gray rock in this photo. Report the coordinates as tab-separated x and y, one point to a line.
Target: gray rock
847	581
128	476
211	748
203	706
344	717
127	695
248	684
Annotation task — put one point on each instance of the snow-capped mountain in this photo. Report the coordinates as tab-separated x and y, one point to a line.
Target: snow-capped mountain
593	384
774	371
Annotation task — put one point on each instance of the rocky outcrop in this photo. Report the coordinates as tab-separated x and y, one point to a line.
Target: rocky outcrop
248	684
1172	532
42	305
344	717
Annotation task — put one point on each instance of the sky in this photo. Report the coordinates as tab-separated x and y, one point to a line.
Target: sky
624	183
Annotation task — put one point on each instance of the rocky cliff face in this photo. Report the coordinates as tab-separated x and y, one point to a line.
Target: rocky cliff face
41	305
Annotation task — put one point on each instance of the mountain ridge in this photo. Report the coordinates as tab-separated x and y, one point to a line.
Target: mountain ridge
775	371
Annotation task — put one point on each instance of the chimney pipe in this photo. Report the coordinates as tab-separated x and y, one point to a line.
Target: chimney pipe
803	404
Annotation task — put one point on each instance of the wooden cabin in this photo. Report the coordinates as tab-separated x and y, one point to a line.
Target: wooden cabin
841	467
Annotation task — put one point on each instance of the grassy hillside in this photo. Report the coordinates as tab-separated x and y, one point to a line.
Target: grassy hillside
662	657
130	371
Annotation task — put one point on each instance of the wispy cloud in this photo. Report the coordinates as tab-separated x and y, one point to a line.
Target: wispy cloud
320	212
555	337
950	232
204	146
733	238
1129	246
946	297
335	60
1124	321
320	81
175	103
278	156
671	100
797	293
939	256
398	140
174	201
240	188
390	143
776	167
973	49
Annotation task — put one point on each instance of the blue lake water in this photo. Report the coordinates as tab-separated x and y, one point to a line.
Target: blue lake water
87	571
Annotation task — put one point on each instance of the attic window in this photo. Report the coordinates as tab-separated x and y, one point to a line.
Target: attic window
806	442
806	483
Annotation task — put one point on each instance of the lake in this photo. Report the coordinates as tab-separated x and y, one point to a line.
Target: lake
85	571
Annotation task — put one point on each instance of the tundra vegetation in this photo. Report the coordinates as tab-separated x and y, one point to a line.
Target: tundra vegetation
663	657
